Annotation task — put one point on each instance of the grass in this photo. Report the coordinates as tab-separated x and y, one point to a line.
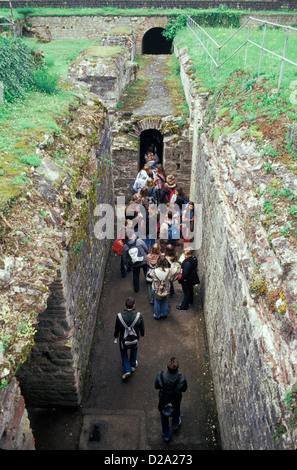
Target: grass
270	68
60	53
24	123
134	96
242	100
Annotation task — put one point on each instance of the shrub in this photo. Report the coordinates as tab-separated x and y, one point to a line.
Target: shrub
45	81
31	159
16	68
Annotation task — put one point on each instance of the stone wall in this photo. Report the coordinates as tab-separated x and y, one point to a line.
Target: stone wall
200	4
55	370
253	352
125	149
15	431
94	27
107	76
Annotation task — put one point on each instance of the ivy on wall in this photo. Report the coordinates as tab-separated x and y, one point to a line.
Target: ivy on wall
16	68
220	17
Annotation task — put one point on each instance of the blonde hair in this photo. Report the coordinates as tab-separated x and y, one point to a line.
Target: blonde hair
150	182
188	251
156	249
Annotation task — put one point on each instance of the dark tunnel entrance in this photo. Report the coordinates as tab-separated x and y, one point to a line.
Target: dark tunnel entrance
153	42
150	138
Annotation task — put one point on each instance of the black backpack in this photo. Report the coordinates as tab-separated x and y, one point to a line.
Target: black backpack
168	400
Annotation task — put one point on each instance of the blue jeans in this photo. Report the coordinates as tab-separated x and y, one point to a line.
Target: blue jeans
149	242
160	307
127	362
166	431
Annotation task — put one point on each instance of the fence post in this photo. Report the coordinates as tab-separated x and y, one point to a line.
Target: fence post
247	45
262	49
211	59
218	66
284	55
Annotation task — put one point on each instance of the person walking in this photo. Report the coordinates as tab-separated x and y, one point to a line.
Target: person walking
168	190
172	258
188	278
134	254
151	260
128	317
160	178
171	384
162	276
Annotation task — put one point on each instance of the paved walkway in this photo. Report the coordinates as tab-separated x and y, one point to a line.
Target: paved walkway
157	101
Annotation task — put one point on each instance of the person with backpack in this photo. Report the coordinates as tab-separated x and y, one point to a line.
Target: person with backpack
129	326
151	260
140	181
181	199
171	384
162	275
188	278
160	178
119	243
169	232
168	190
134	254
172	258
152	191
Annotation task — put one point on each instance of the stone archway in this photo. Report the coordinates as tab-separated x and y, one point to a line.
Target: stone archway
153	42
150	137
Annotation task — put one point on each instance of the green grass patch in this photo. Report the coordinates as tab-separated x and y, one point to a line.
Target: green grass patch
60	53
25	123
135	95
271	65
103	51
175	87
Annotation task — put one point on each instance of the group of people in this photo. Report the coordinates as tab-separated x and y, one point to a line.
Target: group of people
149	242
129	327
155	253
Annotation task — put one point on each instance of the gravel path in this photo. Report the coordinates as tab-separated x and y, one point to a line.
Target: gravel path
158	102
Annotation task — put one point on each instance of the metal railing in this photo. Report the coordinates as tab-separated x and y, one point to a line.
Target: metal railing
208	43
7	21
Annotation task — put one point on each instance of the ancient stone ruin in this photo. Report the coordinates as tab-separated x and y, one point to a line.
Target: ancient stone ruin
252	347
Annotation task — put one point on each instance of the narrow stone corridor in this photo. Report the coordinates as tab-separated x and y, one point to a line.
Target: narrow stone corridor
123	415
126	412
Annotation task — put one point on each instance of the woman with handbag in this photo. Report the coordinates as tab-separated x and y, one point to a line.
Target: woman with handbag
188	278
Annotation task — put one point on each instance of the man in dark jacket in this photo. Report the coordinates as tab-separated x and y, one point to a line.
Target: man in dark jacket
177	383
139	261
189	278
129	364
